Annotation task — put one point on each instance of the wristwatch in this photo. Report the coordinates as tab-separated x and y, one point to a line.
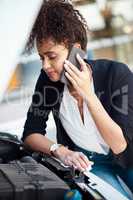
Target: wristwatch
54	147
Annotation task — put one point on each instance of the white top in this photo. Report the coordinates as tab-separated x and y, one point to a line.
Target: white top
85	135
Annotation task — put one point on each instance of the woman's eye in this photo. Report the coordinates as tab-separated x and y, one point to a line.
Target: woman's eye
52	57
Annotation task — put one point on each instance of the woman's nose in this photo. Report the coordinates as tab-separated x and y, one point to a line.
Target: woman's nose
46	64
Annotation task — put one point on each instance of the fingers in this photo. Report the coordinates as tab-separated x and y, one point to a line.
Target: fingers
71	79
84	66
83	165
82	62
86	160
78	160
71	73
72	67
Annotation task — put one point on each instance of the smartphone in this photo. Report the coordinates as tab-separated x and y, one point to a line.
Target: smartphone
73	59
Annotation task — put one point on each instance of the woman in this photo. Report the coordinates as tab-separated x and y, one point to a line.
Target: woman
93	112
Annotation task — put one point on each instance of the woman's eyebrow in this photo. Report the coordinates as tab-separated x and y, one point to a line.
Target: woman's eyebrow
47	53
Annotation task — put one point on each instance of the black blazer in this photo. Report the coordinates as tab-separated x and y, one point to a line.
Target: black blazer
113	82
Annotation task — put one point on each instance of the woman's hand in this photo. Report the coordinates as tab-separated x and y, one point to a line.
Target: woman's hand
80	79
73	158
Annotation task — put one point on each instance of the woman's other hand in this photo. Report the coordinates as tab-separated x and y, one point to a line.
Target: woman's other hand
73	158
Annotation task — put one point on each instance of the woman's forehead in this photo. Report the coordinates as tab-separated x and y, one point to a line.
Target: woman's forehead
49	45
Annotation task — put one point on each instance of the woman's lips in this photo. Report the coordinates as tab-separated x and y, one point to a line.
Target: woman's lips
50	73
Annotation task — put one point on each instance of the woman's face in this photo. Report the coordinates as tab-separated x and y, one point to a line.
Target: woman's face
53	56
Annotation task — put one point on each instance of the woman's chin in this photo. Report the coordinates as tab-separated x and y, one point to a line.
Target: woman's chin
54	78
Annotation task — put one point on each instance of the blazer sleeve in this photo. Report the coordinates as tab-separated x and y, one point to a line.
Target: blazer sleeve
38	112
122	109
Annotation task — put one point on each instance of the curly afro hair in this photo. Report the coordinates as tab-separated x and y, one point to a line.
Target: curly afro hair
58	20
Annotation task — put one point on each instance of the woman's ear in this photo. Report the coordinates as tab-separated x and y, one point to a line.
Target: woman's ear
77	45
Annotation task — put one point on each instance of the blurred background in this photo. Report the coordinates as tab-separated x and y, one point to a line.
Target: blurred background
111	36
